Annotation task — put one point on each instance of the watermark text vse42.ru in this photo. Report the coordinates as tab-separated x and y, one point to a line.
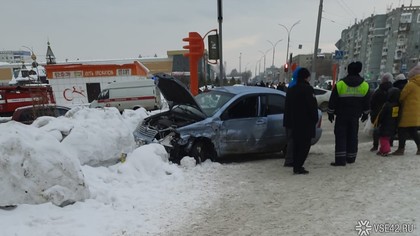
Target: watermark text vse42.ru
365	228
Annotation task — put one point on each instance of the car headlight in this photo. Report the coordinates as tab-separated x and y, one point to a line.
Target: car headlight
183	139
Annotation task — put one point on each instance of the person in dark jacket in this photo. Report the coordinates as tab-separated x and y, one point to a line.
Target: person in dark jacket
400	81
379	97
387	121
301	116
349	101
288	160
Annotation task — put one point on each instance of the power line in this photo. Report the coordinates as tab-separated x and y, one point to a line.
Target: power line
347	9
333	21
340	17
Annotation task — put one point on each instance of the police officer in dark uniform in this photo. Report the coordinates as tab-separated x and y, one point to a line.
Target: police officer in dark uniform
349	101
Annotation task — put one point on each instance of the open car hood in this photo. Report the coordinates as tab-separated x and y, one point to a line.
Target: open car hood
174	91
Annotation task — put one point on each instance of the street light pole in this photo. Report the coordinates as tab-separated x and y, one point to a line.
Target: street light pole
264	53
255	72
274	49
240	57
288	37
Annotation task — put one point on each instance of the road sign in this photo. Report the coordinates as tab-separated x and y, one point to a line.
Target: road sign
339	54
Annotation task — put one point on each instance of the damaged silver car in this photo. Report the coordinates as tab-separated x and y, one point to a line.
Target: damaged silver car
231	120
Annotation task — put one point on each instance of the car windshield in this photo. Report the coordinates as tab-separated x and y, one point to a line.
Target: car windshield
211	101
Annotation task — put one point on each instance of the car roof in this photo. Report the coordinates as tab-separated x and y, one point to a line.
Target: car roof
322	89
247	89
41	106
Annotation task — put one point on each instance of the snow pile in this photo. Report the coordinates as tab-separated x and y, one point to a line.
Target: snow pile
97	136
42	162
36	168
148	162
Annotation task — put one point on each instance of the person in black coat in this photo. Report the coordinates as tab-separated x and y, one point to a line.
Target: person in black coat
301	116
387	121
377	100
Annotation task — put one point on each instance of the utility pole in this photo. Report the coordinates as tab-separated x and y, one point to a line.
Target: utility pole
315	56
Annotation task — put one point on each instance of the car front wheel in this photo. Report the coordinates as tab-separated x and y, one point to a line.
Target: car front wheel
203	150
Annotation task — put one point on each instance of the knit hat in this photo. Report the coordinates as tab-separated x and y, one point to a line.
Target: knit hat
414	71
354	68
400	77
387	77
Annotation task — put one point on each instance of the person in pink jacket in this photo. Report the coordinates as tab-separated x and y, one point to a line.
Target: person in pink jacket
410	111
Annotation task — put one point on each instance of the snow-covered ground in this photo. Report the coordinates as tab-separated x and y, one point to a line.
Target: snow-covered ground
58	161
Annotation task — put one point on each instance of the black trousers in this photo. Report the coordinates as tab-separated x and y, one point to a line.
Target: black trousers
301	147
375	136
346	132
289	153
405	133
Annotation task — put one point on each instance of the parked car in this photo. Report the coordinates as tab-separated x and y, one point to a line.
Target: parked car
27	114
222	121
322	97
325	84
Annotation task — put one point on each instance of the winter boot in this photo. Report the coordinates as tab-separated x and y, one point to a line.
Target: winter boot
374	149
399	152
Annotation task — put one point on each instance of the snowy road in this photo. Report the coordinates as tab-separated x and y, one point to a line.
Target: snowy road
264	198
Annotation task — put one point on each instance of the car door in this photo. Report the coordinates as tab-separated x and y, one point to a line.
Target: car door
242	127
275	135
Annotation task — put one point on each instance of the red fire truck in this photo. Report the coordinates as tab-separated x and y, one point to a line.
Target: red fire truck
12	97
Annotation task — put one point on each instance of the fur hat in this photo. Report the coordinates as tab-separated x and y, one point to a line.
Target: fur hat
387	77
400	77
354	68
414	71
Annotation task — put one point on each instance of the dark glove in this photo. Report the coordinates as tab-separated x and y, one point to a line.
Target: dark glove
364	117
331	117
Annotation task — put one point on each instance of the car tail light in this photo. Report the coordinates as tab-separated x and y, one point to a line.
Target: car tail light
319	122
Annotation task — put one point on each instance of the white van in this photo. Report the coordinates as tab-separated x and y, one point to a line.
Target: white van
129	95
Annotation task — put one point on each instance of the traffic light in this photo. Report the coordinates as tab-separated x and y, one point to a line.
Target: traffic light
213	47
286	67
195	46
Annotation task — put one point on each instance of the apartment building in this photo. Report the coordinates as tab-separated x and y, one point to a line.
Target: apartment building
383	43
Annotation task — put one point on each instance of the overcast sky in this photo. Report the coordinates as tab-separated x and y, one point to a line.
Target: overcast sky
109	29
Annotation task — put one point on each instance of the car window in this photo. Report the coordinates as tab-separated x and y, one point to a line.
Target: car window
26	115
272	104
104	95
243	108
210	102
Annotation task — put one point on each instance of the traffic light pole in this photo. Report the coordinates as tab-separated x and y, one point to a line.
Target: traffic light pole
220	20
